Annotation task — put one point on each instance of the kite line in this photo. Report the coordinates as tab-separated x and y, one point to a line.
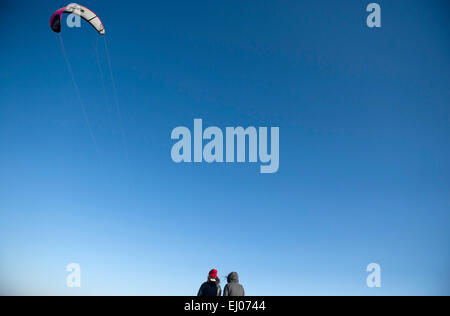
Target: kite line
102	77
78	94
117	103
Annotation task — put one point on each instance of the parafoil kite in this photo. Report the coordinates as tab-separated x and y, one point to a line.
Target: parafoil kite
79	10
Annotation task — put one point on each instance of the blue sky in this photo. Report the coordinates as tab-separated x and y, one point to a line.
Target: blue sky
364	148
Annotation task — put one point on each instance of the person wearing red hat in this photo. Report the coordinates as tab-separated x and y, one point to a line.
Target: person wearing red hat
212	286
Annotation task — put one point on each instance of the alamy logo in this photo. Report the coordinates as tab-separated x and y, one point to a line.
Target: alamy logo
236	140
374	278
74	277
374	18
73	20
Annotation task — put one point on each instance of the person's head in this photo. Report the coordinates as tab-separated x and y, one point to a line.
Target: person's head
233	277
212	276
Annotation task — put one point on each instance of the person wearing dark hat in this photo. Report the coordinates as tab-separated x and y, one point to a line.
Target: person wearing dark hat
233	288
212	286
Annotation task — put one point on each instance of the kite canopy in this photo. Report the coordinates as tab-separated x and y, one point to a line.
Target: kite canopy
83	12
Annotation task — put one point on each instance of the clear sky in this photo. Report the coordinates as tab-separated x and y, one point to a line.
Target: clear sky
364	148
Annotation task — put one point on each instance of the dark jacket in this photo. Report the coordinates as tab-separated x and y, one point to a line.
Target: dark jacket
210	288
233	288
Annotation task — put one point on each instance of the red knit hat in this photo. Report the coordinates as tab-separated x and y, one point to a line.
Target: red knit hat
213	274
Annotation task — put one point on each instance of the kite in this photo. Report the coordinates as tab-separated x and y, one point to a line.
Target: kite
79	10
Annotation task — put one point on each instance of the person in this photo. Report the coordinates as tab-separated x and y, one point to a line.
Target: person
233	288
212	286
